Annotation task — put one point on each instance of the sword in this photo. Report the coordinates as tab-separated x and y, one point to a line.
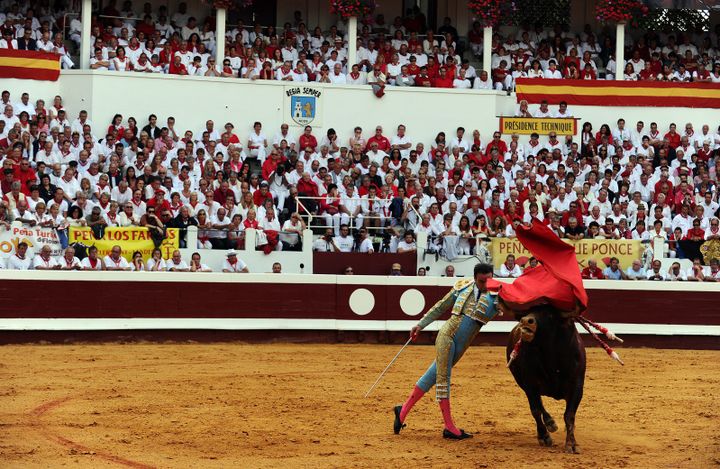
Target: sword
387	367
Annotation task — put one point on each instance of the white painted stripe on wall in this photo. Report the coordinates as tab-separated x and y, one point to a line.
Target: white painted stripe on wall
250	324
325	279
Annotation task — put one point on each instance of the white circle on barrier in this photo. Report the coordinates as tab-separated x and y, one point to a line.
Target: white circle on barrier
362	301
412	302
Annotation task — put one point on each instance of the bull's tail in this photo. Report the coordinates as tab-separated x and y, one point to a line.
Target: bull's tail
584	323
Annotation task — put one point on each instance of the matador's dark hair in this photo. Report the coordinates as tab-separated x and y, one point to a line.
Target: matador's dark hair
482	269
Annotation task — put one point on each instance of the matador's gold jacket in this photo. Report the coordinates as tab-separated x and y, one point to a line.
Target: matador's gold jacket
463	302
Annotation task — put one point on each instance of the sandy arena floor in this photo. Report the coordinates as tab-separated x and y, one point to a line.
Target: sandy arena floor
278	405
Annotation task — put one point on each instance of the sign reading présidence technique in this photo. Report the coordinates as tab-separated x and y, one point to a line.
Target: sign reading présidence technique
302	104
542	126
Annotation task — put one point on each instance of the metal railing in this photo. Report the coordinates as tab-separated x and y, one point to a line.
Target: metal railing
66	24
353	218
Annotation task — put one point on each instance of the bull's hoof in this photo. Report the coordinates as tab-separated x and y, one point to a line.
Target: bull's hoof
545	440
572	448
551	425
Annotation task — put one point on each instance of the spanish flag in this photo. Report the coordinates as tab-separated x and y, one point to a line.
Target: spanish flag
619	93
29	65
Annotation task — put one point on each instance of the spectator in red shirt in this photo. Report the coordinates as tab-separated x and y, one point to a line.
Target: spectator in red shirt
159	201
306	187
307	139
592	271
647	73
262	194
223	193
146	27
673	137
422	78
24	173
500	145
443	80
433	69
696	233
588	73
177	67
382	141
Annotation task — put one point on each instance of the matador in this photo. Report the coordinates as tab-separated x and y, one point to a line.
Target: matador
473	303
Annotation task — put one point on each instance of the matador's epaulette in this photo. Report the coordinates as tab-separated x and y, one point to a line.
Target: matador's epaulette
460	284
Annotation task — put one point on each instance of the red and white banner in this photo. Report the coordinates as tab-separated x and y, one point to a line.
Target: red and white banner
29	65
618	93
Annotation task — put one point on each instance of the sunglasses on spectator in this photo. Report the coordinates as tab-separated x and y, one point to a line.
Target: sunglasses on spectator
348	271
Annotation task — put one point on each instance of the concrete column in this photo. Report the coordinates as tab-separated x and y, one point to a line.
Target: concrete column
250	239
220	17
422	244
620	51
659	250
352	42
487	48
85	46
191	237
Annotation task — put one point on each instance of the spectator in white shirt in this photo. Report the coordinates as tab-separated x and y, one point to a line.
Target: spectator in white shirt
115	260
234	265
44	260
176	264
365	245
20	260
509	268
552	72
344	242
461	82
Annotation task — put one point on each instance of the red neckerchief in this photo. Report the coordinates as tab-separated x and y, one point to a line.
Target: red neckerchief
93	262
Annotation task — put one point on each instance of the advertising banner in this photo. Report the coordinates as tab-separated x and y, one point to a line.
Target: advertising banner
542	126
35	237
601	250
129	239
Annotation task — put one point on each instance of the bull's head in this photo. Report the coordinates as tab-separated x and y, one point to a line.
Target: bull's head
528	327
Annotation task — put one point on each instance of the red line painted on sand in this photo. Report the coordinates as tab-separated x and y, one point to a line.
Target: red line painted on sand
41	410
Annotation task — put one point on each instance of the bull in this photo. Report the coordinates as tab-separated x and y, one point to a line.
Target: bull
546	357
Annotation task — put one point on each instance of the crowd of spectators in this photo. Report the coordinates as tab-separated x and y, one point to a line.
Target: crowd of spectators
373	190
114	261
636	271
372	193
402	53
682	56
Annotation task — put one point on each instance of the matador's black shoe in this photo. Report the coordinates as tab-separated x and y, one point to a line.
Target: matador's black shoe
451	436
398	425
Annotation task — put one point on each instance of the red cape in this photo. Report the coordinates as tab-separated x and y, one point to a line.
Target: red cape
556	280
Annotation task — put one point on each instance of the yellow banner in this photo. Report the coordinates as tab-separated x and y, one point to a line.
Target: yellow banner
601	250
129	239
542	126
